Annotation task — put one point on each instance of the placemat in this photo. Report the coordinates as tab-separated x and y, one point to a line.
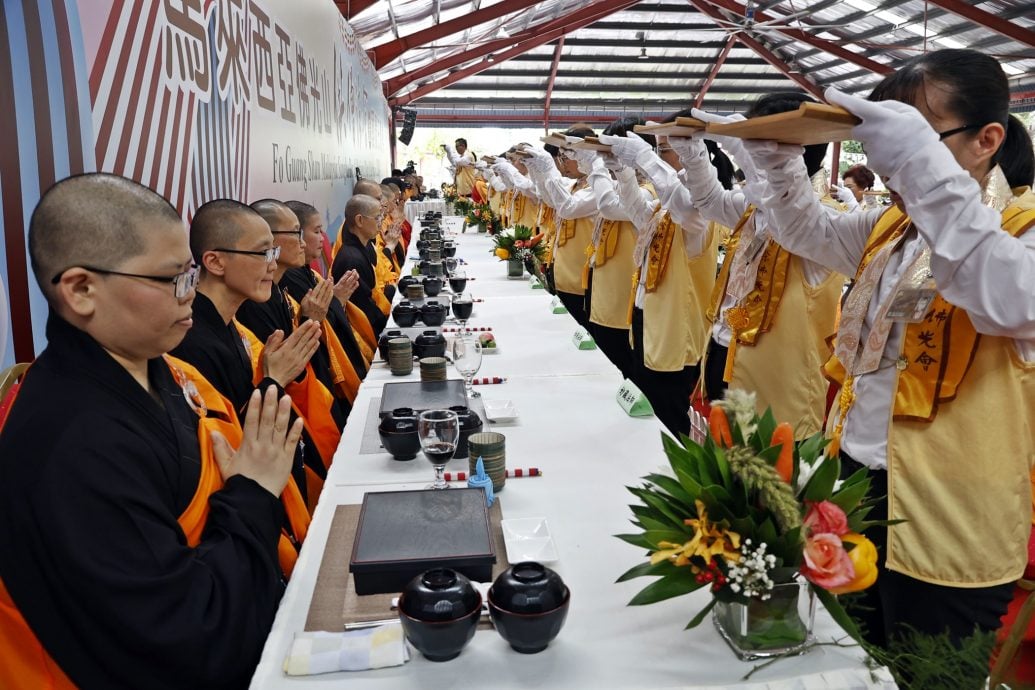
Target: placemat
370	442
335	601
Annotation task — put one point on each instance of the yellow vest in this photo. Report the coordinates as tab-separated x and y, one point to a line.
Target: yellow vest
675	328
495	198
613	273
784	368
572	236
464	180
961	449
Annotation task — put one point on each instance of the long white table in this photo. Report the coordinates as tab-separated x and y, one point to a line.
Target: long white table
571	427
416	209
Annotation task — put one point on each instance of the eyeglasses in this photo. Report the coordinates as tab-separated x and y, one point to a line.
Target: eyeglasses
182	283
949	132
270	255
297	233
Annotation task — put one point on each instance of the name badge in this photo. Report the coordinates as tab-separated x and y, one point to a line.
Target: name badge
631	399
910	303
583	340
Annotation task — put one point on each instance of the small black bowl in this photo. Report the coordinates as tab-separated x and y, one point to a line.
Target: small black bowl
439	610
529	633
398	432
528	604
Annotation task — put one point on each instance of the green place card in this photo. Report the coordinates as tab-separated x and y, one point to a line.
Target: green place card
583	340
536	284
633	401
557	306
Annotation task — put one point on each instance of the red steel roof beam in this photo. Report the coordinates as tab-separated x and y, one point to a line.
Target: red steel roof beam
769	56
707	84
350	8
988	20
386	52
549	83
542	33
532	38
804	37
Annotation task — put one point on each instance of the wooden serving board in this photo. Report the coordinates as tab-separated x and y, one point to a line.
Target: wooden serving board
812	123
554	139
592	144
682	127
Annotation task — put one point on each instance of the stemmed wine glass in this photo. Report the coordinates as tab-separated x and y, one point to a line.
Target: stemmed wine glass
467	358
457	281
463	305
438	431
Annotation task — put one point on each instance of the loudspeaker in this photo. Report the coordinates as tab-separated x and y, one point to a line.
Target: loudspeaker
409	122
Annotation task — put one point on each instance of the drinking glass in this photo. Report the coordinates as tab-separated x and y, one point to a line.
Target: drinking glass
438	431
467	358
463	305
457	281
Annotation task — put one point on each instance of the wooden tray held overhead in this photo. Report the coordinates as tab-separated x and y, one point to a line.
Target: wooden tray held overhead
555	139
682	127
591	144
812	123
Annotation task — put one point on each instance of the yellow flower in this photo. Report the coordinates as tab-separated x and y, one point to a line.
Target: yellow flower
503	254
864	560
709	541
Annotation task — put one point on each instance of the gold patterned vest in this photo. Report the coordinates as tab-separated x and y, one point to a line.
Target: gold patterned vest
961	448
677	290
568	258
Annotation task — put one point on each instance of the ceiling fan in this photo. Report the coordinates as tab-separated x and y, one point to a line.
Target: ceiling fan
748	23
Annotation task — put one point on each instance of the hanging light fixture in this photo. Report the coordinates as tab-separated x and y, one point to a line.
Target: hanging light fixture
643	47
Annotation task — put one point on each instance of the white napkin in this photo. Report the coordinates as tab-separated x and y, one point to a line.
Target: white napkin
356	650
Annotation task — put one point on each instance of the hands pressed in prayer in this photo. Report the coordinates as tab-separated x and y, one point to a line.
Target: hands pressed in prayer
267	448
344	288
283	359
317	300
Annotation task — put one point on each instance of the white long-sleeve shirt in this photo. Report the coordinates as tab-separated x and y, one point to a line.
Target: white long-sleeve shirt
726	207
557	192
642	209
976	266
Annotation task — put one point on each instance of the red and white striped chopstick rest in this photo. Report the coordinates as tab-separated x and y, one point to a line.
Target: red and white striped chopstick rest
511	474
488	381
454	329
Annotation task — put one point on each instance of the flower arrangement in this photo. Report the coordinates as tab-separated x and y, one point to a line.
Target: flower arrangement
749	510
449	193
463	206
520	244
481	214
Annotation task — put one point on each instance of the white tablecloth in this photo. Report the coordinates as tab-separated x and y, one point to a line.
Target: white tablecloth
569	426
416	209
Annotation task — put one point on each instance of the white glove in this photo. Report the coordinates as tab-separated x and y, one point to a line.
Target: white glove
732	144
481	165
687	148
586	160
845	196
612	163
627	149
770	155
540	163
890	131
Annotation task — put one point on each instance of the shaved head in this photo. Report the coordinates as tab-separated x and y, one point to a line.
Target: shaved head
96	219
360	205
218	224
368	187
270	210
302	210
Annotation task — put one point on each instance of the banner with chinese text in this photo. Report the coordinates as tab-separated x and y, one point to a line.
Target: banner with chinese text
197	99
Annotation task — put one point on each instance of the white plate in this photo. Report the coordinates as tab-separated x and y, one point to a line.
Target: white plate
528	539
491	350
499	410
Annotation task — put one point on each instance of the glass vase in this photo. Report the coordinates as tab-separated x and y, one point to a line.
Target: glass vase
778	626
481	227
515	268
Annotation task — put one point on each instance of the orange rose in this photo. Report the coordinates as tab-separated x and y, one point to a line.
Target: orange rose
827	564
864	560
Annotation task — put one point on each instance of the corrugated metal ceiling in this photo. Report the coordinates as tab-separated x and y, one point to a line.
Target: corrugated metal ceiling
657	56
